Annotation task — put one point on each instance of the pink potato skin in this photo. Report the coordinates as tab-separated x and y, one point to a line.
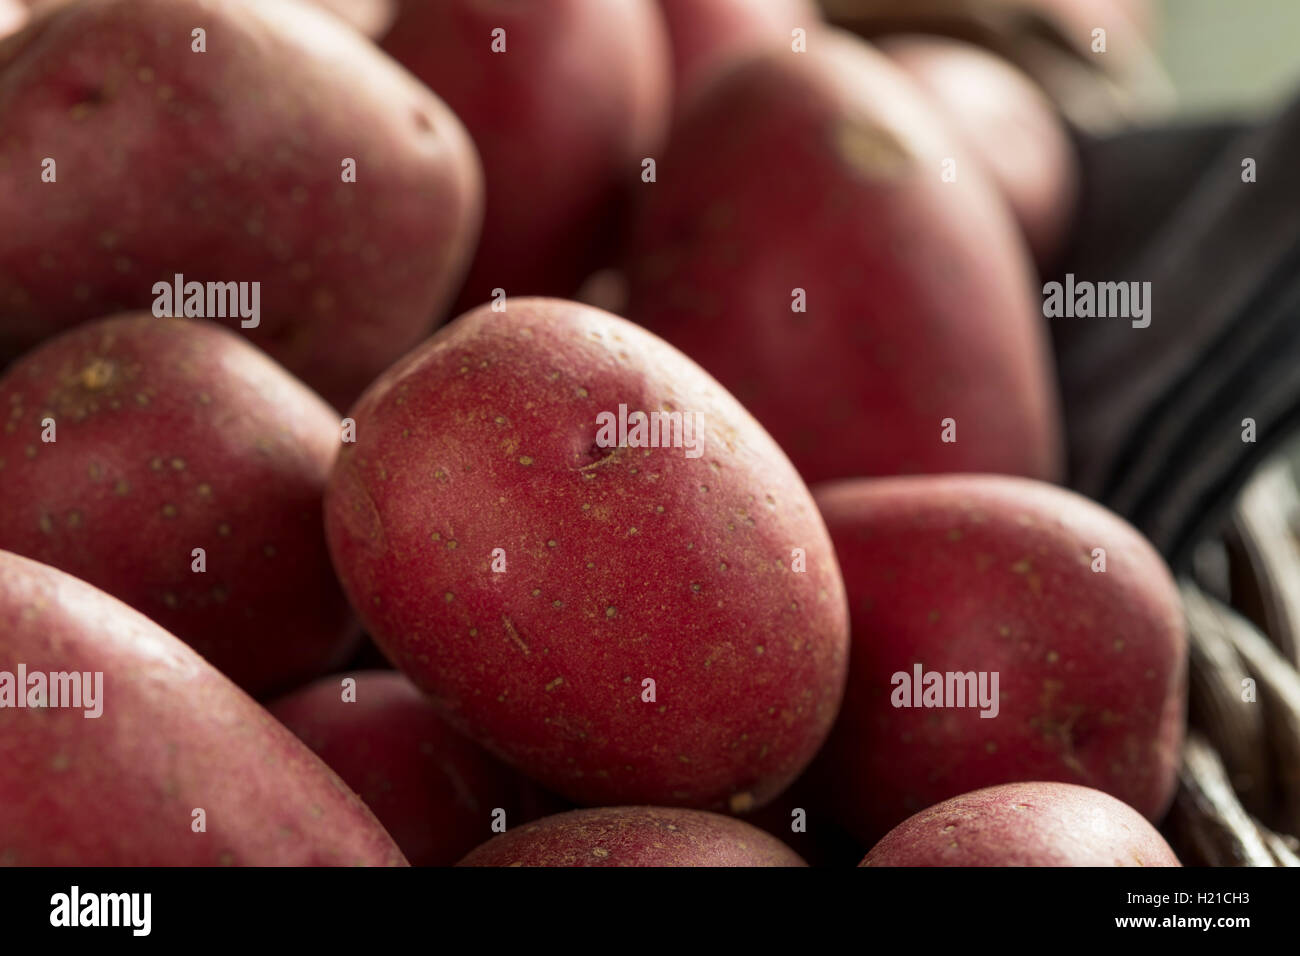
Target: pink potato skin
432	789
634	836
821	172
705	35
1006	124
621	565
1025	824
988	573
371	18
174	735
172	435
226	166
13	14
561	120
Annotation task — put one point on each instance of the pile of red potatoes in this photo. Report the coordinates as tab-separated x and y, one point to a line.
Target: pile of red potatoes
820	251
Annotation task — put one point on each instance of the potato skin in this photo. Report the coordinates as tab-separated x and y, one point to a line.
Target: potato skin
1025	824
705	35
432	789
174	735
13	14
352	274
562	120
622	564
634	836
171	435
1006	124
986	573
821	172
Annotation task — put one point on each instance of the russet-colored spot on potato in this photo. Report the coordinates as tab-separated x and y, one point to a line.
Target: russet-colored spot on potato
871	150
98	374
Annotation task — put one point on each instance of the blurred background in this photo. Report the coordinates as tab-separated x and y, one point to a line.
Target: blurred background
1230	55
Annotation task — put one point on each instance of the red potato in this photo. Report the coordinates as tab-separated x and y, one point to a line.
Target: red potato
1006	124
981	574
562	120
1051	40
432	789
1025	824
228	166
634	836
172	435
622	624
707	34
172	737
814	181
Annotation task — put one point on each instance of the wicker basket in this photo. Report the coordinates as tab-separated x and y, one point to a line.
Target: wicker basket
1238	800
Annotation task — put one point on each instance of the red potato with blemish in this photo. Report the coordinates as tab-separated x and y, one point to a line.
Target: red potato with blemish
228	166
562	120
622	624
172	736
171	435
634	836
435	791
801	245
1025	824
706	35
973	574
1004	123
